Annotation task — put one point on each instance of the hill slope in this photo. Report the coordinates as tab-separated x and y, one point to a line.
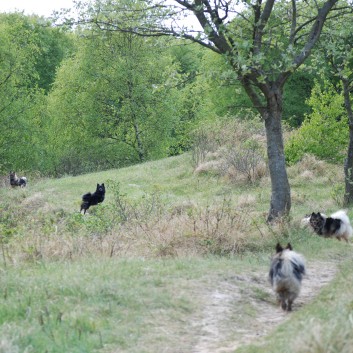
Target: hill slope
172	261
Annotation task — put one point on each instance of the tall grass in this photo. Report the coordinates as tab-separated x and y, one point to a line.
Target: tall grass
128	275
157	209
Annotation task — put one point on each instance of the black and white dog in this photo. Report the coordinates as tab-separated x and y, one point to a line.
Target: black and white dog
286	274
16	181
336	225
90	199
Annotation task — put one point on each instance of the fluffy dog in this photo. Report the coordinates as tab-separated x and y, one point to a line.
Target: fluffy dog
16	181
337	225
90	199
286	273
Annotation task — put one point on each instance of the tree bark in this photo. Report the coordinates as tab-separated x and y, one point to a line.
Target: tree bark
280	190
348	164
271	113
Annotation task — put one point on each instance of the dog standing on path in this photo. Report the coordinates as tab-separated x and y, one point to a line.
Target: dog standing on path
90	199
286	274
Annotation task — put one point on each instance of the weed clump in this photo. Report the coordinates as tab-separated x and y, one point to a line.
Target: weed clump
234	150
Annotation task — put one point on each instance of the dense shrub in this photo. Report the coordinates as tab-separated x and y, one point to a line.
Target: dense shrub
324	133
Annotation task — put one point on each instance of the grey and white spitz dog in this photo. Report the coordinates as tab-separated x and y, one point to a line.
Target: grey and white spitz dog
286	274
336	225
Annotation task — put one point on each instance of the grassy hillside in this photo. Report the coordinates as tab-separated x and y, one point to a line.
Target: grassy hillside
172	261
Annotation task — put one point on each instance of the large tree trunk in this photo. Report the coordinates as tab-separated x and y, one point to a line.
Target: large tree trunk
348	164
280	190
272	115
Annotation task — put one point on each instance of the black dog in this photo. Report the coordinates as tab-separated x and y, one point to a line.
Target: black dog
93	199
16	181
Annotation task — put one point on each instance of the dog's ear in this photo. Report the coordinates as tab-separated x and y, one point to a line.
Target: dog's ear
289	246
279	248
103	185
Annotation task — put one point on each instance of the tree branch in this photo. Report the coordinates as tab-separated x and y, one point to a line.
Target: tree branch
294	22
312	39
253	95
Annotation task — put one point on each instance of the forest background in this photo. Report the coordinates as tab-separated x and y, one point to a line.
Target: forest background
106	89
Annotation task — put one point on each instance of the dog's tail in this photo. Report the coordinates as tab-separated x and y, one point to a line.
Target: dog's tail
342	215
346	230
297	264
287	265
87	197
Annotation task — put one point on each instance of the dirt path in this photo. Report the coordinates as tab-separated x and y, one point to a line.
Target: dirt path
242	309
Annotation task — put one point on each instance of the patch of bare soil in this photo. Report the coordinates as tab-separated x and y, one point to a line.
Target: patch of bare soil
242	309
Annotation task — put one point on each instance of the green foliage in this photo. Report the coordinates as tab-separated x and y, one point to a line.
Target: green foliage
295	97
27	64
324	133
74	102
54	45
187	56
124	108
216	92
219	91
17	89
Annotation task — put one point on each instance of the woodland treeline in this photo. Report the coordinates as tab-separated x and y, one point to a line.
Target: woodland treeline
76	99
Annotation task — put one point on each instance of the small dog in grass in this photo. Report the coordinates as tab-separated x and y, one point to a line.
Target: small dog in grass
90	199
286	273
17	181
336	226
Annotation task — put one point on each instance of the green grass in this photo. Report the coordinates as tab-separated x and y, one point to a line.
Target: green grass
99	283
172	177
89	305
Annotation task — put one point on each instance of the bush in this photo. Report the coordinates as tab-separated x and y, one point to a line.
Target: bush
324	133
247	160
233	148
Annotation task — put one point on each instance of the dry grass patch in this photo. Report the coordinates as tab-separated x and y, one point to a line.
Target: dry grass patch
147	227
236	151
309	168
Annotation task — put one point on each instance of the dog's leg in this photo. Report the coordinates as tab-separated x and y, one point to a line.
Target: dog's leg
283	304
282	300
290	302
